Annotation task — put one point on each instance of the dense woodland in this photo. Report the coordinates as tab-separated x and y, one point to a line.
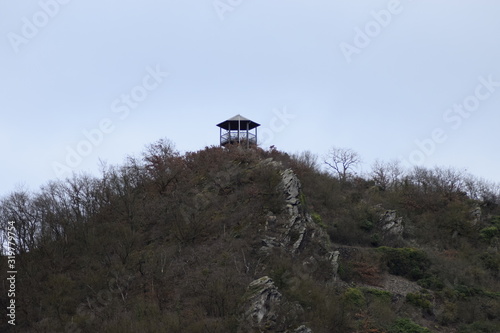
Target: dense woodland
168	242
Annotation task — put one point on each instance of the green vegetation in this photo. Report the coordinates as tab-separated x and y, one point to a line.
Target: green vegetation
405	325
169	243
420	300
354	297
318	220
377	293
489	232
408	262
432	282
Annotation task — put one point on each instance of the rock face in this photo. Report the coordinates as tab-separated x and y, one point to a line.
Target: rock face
262	305
391	223
300	228
300	233
294	234
298	222
475	215
291	188
264	309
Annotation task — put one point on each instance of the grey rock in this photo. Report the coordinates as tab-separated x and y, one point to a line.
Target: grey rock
301	231
310	264
262	305
334	260
475	215
266	311
271	162
303	329
268	243
391	223
292	187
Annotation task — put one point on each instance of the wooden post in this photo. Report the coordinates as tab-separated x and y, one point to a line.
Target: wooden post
239	129
248	137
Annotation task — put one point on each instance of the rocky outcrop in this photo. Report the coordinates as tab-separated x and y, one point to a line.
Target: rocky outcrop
264	309
333	257
391	223
298	221
262	303
297	233
475	215
291	188
294	234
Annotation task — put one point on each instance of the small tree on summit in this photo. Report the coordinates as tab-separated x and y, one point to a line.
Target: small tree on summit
342	161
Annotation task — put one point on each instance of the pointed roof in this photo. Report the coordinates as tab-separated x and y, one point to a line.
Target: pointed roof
238	121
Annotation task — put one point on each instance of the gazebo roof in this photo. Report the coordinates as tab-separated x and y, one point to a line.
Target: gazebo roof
238	121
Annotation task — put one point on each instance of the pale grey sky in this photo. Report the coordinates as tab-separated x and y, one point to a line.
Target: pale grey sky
80	81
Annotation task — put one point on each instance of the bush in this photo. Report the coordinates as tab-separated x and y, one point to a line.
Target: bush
419	300
432	282
491	261
405	325
407	262
488	233
354	297
367	225
495	220
377	293
449	313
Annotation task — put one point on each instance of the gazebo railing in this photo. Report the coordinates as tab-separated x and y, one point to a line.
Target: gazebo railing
233	137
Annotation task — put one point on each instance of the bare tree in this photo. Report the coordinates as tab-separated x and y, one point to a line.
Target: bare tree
307	159
342	161
387	174
19	209
162	163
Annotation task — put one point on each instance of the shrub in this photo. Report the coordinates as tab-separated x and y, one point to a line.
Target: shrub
379	307
377	293
354	297
432	282
449	313
491	261
419	300
407	262
367	225
488	233
345	271
495	220
405	325
375	239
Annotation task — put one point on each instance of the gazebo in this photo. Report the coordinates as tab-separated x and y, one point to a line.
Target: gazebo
238	130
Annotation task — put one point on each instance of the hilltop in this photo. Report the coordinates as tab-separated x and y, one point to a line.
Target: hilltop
254	240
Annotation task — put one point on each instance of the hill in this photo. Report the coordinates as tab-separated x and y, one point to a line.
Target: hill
253	240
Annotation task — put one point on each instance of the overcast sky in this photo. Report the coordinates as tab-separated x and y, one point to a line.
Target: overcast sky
83	81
